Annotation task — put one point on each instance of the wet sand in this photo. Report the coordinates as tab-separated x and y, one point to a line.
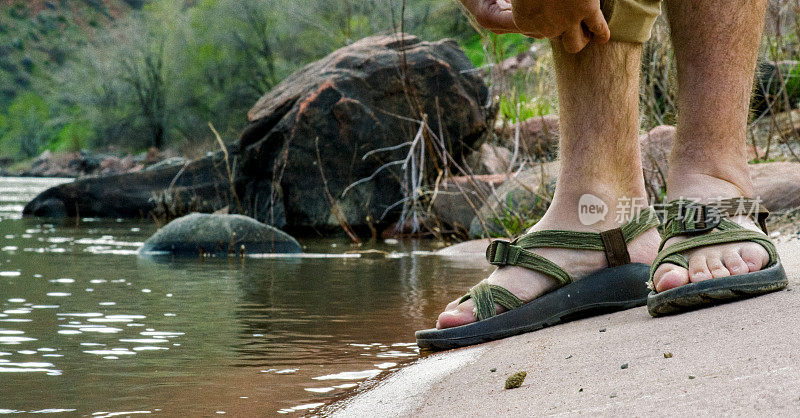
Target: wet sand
741	358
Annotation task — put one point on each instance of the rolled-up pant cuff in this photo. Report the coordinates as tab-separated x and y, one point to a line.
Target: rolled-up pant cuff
631	20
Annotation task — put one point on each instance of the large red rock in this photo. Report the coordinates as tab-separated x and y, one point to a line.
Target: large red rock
355	101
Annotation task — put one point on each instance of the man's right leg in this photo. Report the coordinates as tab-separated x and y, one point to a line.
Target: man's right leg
599	122
716	46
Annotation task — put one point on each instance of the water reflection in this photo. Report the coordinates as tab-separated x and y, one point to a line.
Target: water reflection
89	328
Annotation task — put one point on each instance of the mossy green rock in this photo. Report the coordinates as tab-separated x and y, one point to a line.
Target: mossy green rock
515	380
197	234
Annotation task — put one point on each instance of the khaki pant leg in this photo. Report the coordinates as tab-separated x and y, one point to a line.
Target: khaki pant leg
631	20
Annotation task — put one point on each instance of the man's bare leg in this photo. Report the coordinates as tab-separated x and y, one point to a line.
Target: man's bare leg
599	119
716	45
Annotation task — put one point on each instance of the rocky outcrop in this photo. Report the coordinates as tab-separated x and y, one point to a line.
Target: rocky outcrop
321	127
205	234
777	184
85	163
325	127
494	159
459	198
524	197
474	250
656	148
178	189
538	136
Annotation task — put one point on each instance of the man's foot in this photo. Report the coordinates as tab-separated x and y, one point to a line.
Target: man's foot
714	261
717	260
528	284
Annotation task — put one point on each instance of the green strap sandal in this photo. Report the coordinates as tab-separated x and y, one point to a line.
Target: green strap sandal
709	225
622	285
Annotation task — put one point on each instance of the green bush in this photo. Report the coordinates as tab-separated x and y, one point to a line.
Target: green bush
163	71
72	137
26	127
494	48
528	107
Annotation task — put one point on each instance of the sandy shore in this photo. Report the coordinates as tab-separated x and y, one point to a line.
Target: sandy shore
742	358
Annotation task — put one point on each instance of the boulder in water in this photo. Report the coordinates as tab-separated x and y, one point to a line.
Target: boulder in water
201	234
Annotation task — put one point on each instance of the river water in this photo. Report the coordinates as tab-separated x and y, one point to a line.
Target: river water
89	328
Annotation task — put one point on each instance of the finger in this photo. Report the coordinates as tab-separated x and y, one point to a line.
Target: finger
496	20
597	24
574	39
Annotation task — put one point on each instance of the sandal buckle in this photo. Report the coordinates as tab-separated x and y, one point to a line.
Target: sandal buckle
497	253
705	218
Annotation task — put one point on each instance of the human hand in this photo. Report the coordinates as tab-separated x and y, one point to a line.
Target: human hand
576	21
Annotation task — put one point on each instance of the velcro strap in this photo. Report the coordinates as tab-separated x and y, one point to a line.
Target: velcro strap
615	247
685	217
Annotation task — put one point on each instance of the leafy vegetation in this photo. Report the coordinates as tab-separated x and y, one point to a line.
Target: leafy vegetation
133	74
130	74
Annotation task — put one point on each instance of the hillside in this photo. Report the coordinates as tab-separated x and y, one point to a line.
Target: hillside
126	75
37	37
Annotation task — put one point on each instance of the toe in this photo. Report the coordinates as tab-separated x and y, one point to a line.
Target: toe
698	268
734	263
452	305
754	255
716	266
461	315
669	276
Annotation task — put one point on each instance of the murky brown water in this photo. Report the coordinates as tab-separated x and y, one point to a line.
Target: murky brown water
88	328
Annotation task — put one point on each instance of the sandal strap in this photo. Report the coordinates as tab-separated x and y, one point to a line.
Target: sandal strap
707	225
687	218
613	242
502	253
487	296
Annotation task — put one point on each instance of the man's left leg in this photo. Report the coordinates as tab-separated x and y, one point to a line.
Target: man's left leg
716	46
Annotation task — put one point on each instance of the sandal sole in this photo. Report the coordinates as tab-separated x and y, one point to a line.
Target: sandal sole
717	291
610	290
